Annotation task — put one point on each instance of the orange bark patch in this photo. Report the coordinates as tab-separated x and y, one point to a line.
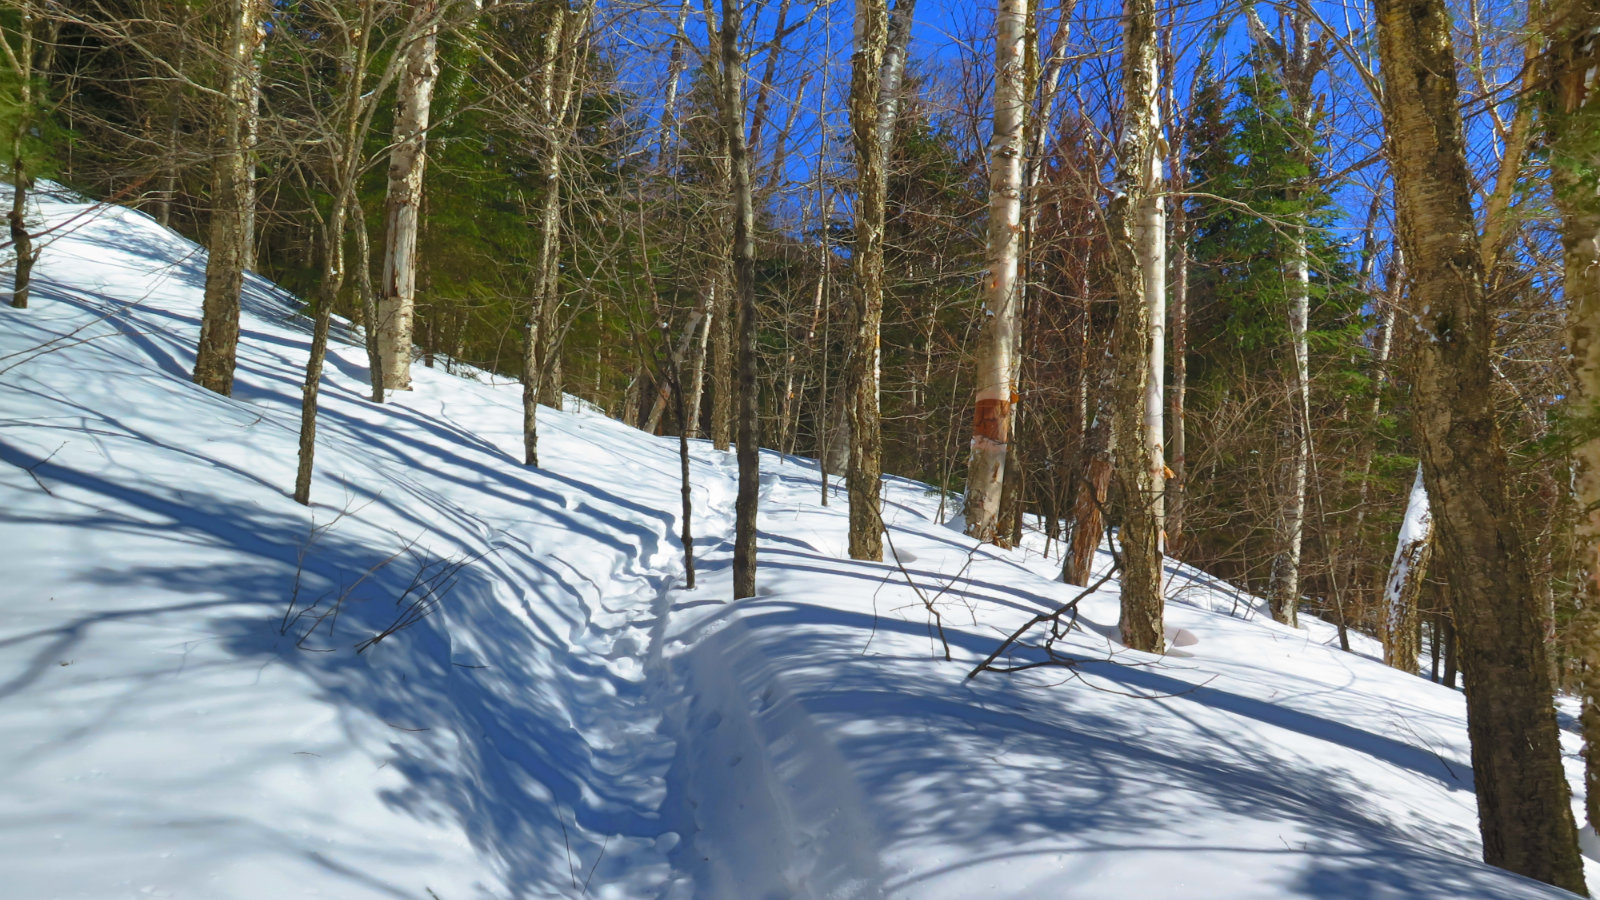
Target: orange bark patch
992	419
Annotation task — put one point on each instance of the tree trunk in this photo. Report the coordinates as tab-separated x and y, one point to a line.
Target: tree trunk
1132	222
1412	552
1523	801
1283	591
866	257
346	166
744	279
228	244
1573	117
252	144
697	375
557	81
408	161
1298	59
1177	489
369	307
991	417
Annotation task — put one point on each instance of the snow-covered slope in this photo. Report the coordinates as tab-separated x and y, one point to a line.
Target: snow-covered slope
186	714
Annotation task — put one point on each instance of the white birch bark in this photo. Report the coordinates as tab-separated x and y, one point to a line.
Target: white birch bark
991	420
1150	231
407	164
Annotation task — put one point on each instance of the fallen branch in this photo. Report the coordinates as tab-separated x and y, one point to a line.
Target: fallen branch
1054	617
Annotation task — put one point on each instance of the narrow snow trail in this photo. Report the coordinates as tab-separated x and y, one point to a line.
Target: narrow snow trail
175	662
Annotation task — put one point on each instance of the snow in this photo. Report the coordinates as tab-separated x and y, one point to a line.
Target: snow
186	716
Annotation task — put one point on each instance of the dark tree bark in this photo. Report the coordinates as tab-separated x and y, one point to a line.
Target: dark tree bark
1524	812
229	240
21	241
866	259
744	283
1572	114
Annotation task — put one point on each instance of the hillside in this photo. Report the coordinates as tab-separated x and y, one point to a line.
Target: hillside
547	712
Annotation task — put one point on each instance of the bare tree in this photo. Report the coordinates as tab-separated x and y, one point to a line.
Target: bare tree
565	33
744	281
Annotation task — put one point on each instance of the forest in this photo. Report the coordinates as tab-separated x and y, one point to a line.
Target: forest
1303	294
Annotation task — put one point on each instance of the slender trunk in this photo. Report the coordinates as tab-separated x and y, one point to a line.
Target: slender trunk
21	241
1298	59
866	257
219	321
744	278
697	376
687	536
1523	800
1177	488
723	319
1412	552
721	359
1134	220
346	169
1283	591
557	81
172	108
408	162
673	374
369	307
991	418
332	279
252	144
677	62
1573	116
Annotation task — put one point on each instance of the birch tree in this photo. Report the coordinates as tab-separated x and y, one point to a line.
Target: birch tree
1136	226
1298	58
1523	804
996	393
407	164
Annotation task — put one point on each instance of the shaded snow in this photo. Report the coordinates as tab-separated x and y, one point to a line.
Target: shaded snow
569	722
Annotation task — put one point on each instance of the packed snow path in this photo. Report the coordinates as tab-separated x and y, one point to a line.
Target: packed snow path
186	713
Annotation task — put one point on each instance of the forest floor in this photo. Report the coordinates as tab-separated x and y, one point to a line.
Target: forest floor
193	704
